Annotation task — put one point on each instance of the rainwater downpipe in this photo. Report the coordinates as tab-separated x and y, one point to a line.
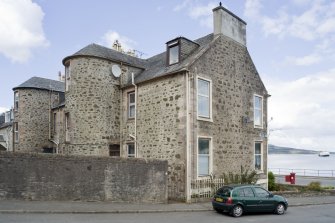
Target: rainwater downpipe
188	150
135	131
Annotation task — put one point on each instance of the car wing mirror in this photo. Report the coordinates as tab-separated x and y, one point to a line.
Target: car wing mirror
270	195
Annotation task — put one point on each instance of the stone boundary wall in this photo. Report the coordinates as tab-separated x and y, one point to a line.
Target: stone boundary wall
32	176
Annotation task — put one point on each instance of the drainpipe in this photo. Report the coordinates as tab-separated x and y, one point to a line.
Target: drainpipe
188	152
135	130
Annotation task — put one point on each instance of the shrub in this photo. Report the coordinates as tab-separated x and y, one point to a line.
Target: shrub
244	177
314	185
272	183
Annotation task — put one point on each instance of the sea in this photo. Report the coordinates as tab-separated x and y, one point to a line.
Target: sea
302	164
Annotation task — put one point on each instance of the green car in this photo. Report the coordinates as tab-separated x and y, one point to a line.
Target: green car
238	199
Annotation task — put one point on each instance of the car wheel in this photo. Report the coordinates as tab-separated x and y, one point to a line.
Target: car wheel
280	209
237	211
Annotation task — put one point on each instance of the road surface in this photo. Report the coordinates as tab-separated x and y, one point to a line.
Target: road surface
302	214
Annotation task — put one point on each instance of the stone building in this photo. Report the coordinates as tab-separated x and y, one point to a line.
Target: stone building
33	100
6	124
201	105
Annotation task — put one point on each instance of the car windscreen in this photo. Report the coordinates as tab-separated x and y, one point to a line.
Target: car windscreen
224	191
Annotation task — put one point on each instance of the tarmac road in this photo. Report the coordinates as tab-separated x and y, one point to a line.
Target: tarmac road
300	214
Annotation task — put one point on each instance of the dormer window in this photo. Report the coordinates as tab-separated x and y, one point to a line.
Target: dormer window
173	52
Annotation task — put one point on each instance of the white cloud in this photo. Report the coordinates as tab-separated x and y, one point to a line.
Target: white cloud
305	60
201	13
182	5
252	8
315	22
21	29
2	109
303	112
111	36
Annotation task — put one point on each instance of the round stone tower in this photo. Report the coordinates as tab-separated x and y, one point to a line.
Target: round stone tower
92	103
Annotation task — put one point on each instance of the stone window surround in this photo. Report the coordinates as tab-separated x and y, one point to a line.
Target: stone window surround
131	155
114	150
210	118
16	100
261	111
54	123
67	76
129	104
210	167
170	46
261	154
16	132
67	127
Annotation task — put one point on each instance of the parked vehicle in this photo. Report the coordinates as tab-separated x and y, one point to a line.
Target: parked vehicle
239	199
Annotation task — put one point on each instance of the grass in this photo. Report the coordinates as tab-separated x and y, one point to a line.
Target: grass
312	186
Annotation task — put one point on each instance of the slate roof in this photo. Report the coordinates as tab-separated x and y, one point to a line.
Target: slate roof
6	124
152	67
2	118
96	50
42	83
157	64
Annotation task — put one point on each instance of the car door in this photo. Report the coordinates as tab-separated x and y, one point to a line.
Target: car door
265	202
249	199
246	197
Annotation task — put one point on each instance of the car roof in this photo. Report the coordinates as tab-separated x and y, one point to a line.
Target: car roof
233	186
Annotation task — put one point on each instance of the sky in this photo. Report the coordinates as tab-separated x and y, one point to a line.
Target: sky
290	41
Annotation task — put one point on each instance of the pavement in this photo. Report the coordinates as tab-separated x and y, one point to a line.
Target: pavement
82	207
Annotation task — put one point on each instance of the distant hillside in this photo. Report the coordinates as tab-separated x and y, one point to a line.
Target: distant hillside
287	150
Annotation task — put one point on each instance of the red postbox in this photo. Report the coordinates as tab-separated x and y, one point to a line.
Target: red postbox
287	178
292	178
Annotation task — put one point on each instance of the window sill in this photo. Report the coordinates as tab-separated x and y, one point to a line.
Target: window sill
259	171
203	177
258	127
204	119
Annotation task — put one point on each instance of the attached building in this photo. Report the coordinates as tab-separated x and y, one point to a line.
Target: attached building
201	105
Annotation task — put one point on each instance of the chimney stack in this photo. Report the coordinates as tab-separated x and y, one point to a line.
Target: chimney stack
228	24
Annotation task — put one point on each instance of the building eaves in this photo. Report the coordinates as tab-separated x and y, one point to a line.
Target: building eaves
42	84
95	50
157	64
60	105
6	124
153	67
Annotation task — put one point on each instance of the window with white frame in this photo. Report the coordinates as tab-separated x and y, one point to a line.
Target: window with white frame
67	76
131	105
16	100
258	111
258	156
16	132
173	52
131	150
204	159
204	98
